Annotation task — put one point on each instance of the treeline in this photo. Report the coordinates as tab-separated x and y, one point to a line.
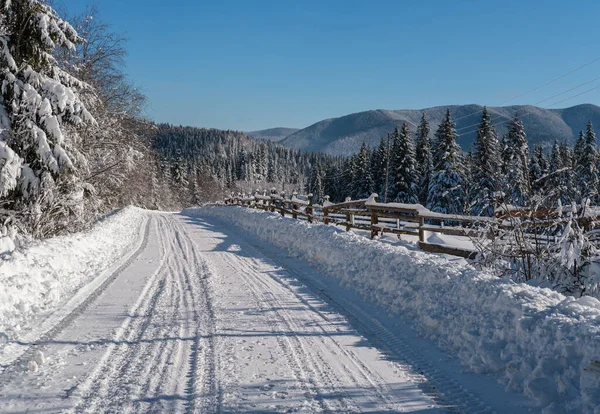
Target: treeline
434	171
206	164
74	144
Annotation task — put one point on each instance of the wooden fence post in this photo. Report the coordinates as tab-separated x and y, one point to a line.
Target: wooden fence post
309	208
325	211
282	204
374	221
421	229
294	215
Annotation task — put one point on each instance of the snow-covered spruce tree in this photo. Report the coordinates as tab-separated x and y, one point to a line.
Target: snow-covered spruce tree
516	164
364	185
558	186
316	183
538	168
586	173
404	169
447	185
349	176
40	108
379	166
486	167
423	158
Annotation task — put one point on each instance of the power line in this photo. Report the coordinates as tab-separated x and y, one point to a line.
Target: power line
551	81
539	102
536	88
548	107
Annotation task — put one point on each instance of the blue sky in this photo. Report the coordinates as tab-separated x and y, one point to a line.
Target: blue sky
254	64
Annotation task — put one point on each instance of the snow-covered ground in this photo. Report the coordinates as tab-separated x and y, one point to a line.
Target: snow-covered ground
40	278
536	341
232	310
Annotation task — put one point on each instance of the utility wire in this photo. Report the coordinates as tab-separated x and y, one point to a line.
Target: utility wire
539	102
536	88
548	107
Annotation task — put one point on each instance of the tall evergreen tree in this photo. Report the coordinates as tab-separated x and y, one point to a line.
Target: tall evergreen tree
378	166
538	169
486	167
316	183
423	158
555	187
41	167
586	174
447	186
364	185
404	169
516	159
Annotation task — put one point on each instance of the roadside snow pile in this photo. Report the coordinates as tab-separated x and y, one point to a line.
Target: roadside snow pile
40	276
538	341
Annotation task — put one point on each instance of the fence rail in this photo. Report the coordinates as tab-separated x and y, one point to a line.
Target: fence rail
405	219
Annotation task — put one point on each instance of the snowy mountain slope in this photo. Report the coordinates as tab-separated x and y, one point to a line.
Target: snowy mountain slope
272	134
344	135
536	341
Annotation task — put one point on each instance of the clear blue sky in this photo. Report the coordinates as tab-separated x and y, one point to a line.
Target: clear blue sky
254	64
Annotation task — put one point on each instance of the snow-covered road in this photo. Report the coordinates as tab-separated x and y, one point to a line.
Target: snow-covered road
203	319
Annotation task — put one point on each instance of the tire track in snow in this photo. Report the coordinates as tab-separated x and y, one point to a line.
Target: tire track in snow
175	335
203	361
262	287
447	392
323	340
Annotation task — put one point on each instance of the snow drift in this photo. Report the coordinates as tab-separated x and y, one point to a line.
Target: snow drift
39	277
537	341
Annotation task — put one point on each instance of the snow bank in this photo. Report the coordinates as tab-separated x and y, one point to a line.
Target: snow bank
538	341
39	277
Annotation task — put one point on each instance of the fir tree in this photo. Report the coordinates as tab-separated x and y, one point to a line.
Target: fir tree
516	160
404	171
316	182
423	158
538	169
363	185
447	186
41	168
379	166
486	167
586	174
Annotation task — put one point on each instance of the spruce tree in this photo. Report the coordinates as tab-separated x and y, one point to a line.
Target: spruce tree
586	174
404	170
538	169
486	167
516	159
364	185
423	158
378	166
447	185
41	167
347	187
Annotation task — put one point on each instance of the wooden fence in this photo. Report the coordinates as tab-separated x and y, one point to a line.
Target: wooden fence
401	219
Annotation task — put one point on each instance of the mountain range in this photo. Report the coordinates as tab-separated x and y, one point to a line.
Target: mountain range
272	134
345	135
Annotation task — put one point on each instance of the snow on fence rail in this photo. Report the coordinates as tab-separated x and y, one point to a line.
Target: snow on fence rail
399	218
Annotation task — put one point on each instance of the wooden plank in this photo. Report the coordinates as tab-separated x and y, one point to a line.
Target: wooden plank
453	231
438	248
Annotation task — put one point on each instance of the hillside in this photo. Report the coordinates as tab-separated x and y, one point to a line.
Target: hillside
344	135
272	134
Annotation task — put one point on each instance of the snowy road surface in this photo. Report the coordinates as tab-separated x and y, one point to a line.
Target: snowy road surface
202	319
